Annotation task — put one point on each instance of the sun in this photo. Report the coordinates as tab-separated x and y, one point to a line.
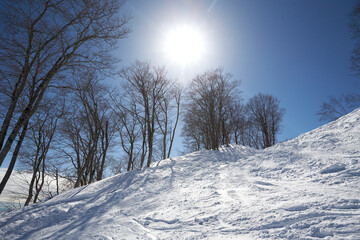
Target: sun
184	45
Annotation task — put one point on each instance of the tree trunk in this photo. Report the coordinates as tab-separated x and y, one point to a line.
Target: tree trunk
57	181
172	136
13	158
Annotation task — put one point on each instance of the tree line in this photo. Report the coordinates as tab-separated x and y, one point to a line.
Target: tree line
60	117
215	114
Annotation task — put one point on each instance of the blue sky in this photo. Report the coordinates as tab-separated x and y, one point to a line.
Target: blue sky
296	50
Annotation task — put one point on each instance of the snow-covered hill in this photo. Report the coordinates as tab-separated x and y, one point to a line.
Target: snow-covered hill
306	188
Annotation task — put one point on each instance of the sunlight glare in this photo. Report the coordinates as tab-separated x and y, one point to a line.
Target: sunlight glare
184	45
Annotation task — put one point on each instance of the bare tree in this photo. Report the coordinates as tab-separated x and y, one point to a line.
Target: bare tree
355	28
145	87
169	106
336	107
130	131
41	41
88	129
34	154
238	123
265	113
207	118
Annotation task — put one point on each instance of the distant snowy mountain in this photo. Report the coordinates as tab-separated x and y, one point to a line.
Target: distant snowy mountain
305	188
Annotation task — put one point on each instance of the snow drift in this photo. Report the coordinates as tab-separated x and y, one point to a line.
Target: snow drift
305	188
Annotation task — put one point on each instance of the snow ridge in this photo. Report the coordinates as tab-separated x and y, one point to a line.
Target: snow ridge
305	188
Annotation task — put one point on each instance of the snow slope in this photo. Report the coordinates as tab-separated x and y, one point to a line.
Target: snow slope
305	188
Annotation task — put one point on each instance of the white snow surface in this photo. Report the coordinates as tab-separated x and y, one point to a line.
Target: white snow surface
305	188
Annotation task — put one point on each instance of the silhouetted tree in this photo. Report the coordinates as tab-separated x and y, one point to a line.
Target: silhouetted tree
34	155
147	98
88	129
244	131
168	118
355	29
130	129
265	114
208	110
336	107
40	42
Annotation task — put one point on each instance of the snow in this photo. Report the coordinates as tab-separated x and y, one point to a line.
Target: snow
305	188
17	188
333	168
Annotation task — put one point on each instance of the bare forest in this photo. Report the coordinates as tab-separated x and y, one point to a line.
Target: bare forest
67	112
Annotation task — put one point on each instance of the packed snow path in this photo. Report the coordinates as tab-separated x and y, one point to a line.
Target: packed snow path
305	188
